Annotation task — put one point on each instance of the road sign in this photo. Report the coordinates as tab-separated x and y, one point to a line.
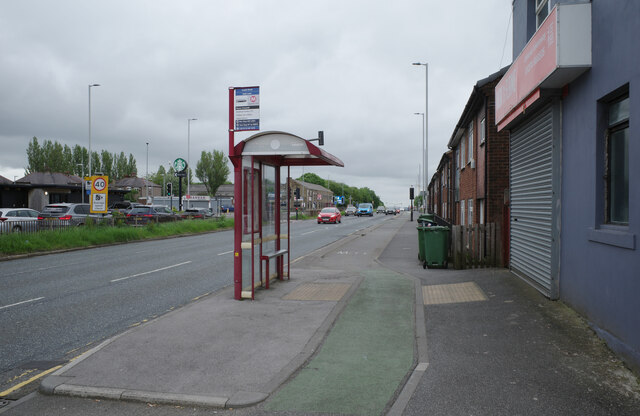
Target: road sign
179	165
99	202
182	174
247	108
99	184
99	194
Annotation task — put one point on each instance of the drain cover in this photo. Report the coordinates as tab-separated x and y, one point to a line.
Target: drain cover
4	403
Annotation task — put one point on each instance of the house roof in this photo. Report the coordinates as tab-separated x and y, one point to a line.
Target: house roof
50	179
312	186
134	182
473	103
4	180
225	190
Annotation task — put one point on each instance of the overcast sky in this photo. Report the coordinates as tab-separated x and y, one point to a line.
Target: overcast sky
343	67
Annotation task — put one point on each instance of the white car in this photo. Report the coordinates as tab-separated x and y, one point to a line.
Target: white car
18	219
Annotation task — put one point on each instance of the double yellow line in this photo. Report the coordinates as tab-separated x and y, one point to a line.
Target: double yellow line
31	380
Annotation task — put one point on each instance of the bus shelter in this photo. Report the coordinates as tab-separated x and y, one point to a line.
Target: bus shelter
262	211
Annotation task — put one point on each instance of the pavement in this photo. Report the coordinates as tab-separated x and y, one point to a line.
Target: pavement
359	329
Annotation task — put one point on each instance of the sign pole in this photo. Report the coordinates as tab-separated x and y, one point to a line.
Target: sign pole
179	193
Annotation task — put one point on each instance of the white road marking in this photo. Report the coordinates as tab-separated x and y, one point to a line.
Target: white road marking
226	252
309	232
21	303
150	271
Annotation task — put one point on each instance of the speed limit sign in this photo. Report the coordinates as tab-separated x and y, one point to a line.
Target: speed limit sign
99	184
99	194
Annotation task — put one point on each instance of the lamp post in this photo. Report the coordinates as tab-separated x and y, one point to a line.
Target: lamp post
426	126
422	140
146	177
90	85
189	120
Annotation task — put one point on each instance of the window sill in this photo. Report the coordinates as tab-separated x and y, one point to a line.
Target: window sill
612	237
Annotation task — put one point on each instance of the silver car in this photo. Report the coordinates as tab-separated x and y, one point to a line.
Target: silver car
18	219
65	215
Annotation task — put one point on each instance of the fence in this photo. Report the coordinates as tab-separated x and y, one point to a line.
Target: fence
58	224
476	245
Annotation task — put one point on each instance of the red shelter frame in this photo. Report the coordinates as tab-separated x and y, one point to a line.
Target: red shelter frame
258	160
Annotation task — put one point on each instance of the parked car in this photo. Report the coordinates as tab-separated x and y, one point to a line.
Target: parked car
123	206
365	208
328	215
226	208
351	210
380	210
65	215
18	219
196	213
151	213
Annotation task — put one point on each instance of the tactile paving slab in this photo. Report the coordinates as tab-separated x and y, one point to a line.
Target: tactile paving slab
319	291
452	293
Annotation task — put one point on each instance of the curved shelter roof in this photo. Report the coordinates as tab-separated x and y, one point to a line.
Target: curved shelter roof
285	149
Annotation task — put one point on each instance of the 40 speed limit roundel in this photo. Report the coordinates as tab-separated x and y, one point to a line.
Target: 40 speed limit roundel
99	184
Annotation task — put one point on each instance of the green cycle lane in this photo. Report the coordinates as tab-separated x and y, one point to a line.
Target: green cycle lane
365	357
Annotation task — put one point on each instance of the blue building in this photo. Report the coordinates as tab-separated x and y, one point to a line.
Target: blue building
571	103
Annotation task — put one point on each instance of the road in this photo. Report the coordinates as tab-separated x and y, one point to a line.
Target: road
54	307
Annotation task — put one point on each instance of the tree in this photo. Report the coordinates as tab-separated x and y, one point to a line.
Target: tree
95	163
212	170
313	178
35	162
120	165
131	166
351	194
80	156
54	157
107	163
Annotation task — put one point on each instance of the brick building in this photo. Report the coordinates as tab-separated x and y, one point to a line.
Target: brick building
472	178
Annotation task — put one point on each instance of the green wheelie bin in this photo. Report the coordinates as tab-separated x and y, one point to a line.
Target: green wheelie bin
421	239
425	219
435	243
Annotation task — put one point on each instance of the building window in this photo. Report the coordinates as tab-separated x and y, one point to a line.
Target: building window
617	163
462	212
542	11
483	133
470	142
463	159
481	218
470	211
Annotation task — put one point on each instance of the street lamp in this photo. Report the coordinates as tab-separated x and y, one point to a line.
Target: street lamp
426	123
146	178
422	140
189	120
90	85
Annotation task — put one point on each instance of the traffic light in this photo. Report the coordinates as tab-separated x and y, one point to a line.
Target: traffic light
169	188
411	193
297	193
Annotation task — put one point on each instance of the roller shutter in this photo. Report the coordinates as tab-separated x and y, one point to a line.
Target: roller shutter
532	192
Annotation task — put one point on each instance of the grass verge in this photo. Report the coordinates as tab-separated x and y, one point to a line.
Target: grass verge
91	235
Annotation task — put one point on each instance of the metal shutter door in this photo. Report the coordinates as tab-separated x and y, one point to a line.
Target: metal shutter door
531	189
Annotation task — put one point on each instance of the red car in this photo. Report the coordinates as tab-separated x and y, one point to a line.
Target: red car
329	215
